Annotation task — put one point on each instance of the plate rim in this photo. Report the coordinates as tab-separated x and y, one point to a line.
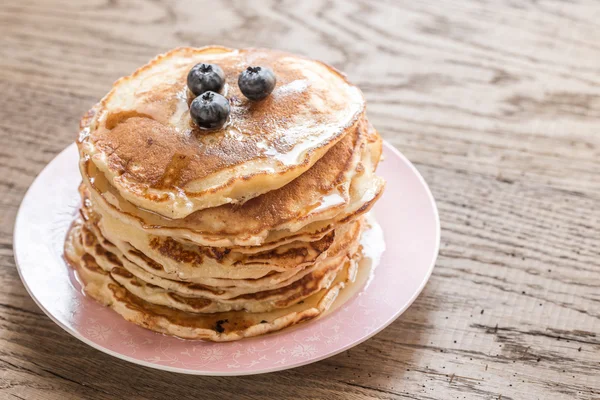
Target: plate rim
301	363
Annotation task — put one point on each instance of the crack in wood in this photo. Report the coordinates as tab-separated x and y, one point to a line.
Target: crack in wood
494	330
20	309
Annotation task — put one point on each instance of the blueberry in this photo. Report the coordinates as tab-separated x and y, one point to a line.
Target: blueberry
205	77
210	110
256	83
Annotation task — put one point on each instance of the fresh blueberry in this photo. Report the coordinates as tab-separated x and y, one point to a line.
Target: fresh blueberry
210	110
205	77
256	83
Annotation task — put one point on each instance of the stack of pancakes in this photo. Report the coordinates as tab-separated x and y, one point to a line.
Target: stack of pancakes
224	234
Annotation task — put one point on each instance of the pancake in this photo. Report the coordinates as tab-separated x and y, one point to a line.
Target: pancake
169	258
338	186
141	138
109	256
194	298
219	327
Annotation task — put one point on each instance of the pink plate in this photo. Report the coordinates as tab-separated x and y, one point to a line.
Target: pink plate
407	214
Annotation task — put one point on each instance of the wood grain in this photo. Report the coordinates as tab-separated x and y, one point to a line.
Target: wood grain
496	102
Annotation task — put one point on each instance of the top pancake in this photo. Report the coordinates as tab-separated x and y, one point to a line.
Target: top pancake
140	136
340	185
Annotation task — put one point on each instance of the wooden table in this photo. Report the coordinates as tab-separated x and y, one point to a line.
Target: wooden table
498	105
